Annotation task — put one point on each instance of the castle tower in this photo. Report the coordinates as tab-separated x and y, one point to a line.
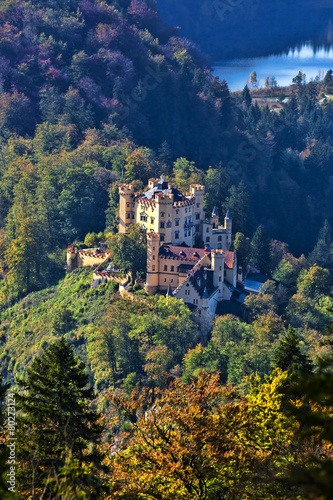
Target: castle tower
126	208
228	227
215	218
72	258
218	267
164	206
153	247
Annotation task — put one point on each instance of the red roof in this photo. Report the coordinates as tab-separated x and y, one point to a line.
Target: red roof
182	253
229	259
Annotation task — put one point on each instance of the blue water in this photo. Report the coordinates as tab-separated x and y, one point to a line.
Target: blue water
314	63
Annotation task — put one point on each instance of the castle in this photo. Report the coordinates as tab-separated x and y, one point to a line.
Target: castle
175	225
188	257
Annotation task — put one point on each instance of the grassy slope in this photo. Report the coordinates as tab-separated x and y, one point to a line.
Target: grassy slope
27	326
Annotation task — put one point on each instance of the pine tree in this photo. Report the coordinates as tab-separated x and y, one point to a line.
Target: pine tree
246	96
261	250
56	421
288	355
316	425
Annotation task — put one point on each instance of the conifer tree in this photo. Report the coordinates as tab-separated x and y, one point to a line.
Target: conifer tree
56	421
288	355
261	250
246	96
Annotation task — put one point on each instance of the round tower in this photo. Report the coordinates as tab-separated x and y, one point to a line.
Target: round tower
215	218
217	257
153	247
126	209
228	227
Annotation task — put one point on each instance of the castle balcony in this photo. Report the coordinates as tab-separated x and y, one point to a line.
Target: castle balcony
188	225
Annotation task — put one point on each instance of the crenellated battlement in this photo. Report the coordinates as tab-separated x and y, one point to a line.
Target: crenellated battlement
153	236
197	190
126	189
164	199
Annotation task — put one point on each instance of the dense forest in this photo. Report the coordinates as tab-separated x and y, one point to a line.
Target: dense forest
122	397
228	29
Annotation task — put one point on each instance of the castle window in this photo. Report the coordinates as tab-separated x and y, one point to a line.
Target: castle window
168	224
177	222
186	210
177	235
207	230
128	205
219	246
189	220
152	220
164	280
132	215
172	269
220	268
197	216
153	257
165	268
162	225
153	268
128	215
220	279
219	238
198	205
133	205
177	212
143	217
162	236
171	281
190	209
207	239
162	214
189	232
153	249
185	233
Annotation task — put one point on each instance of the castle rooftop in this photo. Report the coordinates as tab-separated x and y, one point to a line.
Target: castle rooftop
182	253
165	188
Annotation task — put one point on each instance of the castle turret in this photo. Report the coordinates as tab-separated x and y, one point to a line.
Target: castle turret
218	267
153	247
215	218
164	206
228	227
126	207
72	258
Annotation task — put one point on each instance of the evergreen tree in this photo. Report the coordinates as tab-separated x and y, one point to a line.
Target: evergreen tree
322	254
316	425
246	96
239	204
113	210
242	247
261	250
288	355
56	421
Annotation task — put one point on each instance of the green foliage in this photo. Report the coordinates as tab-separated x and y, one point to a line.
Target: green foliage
242	247
56	420
129	251
288	355
261	250
314	283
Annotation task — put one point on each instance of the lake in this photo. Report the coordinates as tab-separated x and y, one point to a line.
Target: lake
284	67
